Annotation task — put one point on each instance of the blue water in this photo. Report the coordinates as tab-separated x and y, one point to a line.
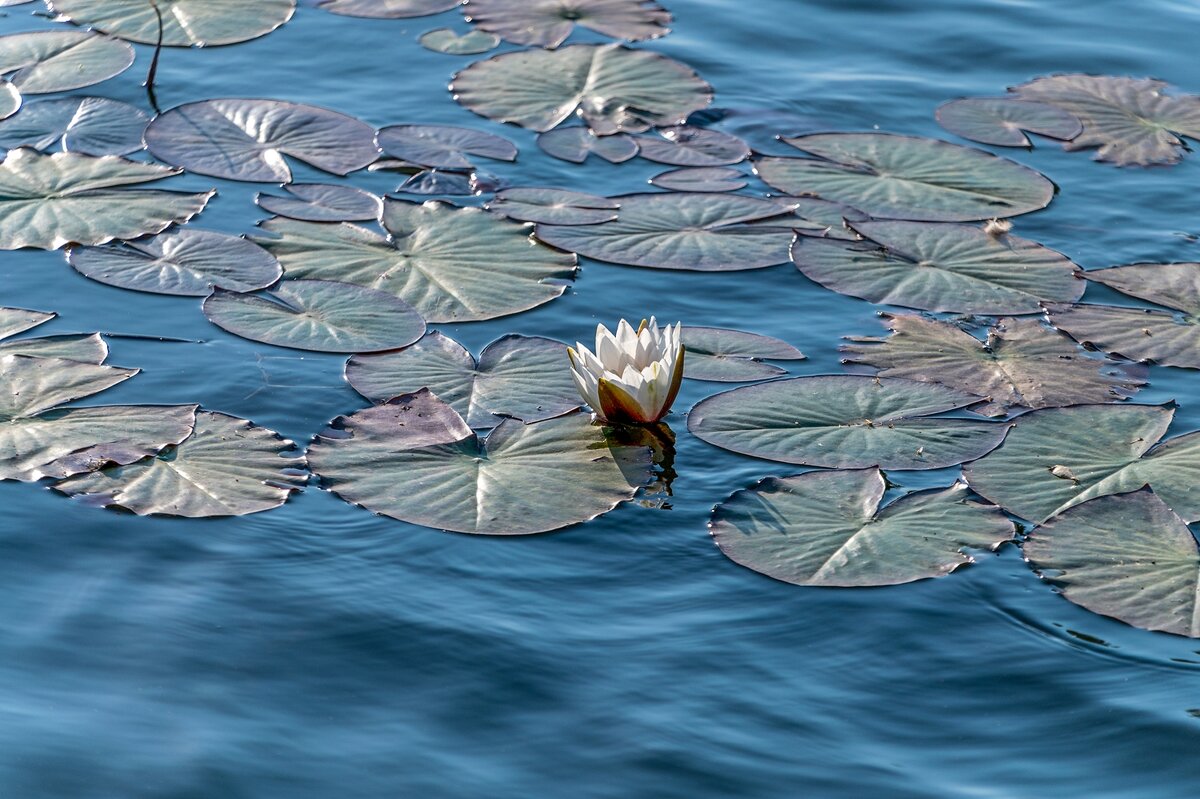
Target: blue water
317	651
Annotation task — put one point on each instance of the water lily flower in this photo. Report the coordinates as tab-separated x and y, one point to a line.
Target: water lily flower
633	376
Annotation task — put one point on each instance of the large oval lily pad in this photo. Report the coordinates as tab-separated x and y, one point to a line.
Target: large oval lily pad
733	356
554	206
414	459
1022	364
443	146
323	202
940	267
548	23
88	125
318	315
226	467
827	529
184	23
701	179
848	421
1003	121
686	145
612	88
1057	458
451	264
1170	339
42	62
905	177
388	9
1130	121
522	377
185	261
700	232
577	143
48	201
38	439
1129	557
247	139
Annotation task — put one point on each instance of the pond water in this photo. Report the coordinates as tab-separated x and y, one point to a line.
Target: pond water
318	650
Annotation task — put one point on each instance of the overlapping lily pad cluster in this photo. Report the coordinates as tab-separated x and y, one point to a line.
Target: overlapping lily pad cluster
497	444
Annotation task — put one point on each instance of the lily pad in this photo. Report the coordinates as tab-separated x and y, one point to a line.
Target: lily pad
1003	121
612	88
554	206
248	139
522	377
18	320
48	201
1022	364
414	459
10	99
1129	557
699	232
184	261
703	179
323	202
443	146
42	62
451	264
685	145
445	40
185	23
1141	334
445	183
1131	121
318	315
88	125
827	529
577	143
820	218
548	23
38	439
388	9
846	422
1057	458
906	177
227	467
86	348
940	267
733	356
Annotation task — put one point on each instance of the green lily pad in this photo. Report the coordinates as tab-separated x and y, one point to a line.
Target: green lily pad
38	439
414	459
577	143
445	40
43	62
323	202
443	146
846	422
1129	557
522	377
612	88
184	261
49	201
317	315
87	348
940	267
548	23
247	139
554	206
185	23
1130	121
388	9
88	125
451	264
1141	334
1003	121
820	218
827	529
1022	364
685	145
1057	458
702	179
226	467
733	356
905	177
699	232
